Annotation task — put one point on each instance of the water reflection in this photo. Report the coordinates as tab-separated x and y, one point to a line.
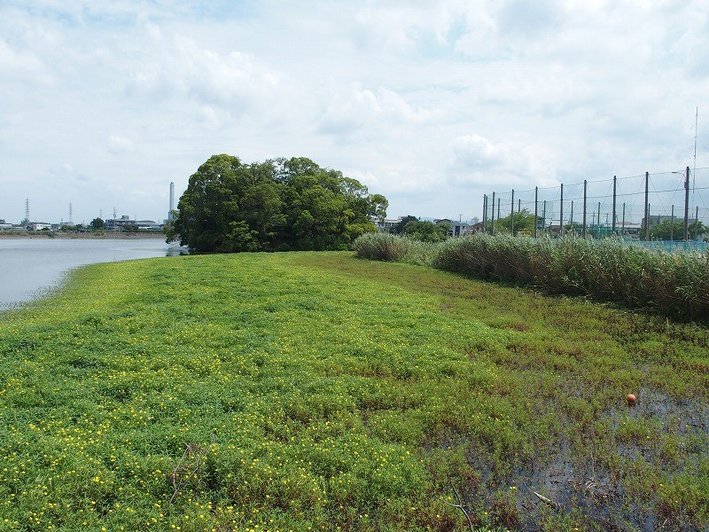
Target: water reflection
29	267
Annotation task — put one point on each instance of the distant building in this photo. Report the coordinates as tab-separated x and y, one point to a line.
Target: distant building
657	219
456	228
478	227
39	226
387	225
125	223
629	229
171	208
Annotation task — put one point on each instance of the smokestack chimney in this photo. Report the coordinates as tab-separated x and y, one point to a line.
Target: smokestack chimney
170	215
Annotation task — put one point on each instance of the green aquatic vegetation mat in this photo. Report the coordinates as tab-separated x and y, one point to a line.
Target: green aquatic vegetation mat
317	390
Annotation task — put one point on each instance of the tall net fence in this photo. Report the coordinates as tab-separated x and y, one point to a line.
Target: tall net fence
644	206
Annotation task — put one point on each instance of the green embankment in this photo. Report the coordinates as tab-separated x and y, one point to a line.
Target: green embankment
289	391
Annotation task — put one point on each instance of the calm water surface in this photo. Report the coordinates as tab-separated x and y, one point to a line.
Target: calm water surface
29	267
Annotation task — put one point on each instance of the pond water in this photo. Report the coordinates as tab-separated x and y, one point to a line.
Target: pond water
31	266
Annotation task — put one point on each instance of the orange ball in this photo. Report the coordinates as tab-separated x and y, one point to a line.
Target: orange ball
631	399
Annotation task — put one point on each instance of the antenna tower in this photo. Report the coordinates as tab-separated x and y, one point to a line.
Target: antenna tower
70	214
27	209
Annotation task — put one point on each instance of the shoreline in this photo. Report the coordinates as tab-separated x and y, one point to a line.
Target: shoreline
107	235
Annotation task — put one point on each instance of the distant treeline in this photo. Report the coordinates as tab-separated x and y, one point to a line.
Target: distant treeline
275	205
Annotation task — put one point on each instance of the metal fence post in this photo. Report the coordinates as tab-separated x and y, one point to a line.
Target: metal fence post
561	212
647	206
536	221
583	230
672	225
614	213
492	229
512	214
686	205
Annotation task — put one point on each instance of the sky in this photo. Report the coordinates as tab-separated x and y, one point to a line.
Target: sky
433	104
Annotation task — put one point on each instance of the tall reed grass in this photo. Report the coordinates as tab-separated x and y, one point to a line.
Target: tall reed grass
391	248
675	284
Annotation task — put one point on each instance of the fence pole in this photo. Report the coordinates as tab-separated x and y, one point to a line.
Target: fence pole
498	209
512	214
686	205
536	207
647	206
492	229
672	225
583	230
598	221
622	227
484	212
571	221
614	196
544	217
561	212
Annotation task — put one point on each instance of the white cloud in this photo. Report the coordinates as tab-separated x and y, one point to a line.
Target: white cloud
431	103
186	70
365	108
479	160
119	145
20	64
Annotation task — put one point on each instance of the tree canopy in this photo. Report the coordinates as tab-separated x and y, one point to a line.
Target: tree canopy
520	221
279	204
97	224
668	230
427	231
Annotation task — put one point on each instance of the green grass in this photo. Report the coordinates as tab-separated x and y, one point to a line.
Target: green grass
317	390
672	284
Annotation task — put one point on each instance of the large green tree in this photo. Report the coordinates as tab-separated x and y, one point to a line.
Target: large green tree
427	231
668	230
97	224
278	204
520	222
401	225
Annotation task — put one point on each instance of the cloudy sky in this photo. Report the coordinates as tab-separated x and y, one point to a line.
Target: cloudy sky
432	104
